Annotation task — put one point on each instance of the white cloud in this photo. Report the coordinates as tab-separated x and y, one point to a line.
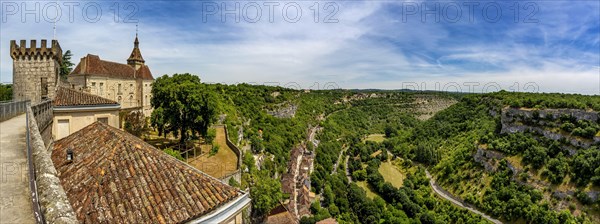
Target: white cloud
368	48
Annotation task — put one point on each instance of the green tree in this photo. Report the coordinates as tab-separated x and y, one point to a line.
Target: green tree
5	92
535	156
67	66
210	135
389	131
557	169
265	193
186	105
135	123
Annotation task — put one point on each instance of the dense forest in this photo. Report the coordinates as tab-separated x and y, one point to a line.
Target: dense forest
517	157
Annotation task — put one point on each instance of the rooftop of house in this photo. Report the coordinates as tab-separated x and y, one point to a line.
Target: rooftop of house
327	221
115	177
71	97
280	215
93	65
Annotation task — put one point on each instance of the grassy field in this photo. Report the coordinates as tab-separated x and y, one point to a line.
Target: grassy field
365	186
375	138
391	173
220	164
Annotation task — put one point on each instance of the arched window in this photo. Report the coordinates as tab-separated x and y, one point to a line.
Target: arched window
131	100
119	99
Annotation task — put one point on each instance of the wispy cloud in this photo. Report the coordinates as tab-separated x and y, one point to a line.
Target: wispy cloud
373	45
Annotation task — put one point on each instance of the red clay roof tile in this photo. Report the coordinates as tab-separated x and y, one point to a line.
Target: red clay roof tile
71	97
116	177
93	65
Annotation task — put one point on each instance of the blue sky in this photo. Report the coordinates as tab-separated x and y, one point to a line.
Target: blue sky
548	46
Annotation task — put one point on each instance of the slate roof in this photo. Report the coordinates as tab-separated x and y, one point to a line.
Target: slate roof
93	65
116	177
71	97
136	54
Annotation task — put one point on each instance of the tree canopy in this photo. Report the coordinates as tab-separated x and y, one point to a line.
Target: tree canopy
183	106
67	66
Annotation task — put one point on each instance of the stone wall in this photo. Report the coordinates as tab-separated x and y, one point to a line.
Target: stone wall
43	114
12	109
53	201
35	70
237	175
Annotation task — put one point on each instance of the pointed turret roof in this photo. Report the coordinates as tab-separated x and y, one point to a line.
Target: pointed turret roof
136	55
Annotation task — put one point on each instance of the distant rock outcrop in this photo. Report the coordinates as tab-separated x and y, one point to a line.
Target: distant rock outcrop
512	120
284	110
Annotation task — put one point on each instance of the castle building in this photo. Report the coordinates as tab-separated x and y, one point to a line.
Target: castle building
35	70
130	85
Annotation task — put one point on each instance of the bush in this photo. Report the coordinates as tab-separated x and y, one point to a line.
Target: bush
214	150
174	153
210	135
557	169
536	156
233	182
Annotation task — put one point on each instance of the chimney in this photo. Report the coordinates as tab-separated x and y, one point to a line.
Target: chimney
83	64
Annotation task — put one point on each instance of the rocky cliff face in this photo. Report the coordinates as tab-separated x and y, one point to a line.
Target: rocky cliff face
512	122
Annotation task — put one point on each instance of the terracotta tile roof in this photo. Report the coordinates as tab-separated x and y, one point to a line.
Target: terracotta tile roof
93	65
71	97
327	221
280	215
116	177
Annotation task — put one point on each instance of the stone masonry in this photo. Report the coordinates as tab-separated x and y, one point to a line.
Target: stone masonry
35	70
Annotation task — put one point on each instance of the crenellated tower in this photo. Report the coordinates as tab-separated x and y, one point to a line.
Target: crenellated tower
35	70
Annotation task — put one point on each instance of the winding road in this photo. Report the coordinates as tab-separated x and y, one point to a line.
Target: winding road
438	190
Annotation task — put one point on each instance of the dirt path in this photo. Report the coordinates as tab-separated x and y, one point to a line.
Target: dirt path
348	170
438	190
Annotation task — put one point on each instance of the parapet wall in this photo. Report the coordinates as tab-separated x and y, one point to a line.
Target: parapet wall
35	70
22	52
51	197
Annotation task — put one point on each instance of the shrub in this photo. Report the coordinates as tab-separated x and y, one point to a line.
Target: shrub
174	153
214	150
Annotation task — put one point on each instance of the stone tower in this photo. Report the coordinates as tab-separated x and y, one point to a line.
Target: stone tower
35	70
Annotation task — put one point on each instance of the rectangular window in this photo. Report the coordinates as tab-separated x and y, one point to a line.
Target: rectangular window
119	90
101	89
44	88
130	88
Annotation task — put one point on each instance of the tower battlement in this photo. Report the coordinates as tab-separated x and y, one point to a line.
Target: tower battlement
35	69
22	52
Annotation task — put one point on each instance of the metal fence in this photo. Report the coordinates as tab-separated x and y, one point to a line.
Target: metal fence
10	109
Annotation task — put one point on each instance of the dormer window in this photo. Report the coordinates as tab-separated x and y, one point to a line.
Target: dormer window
69	155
